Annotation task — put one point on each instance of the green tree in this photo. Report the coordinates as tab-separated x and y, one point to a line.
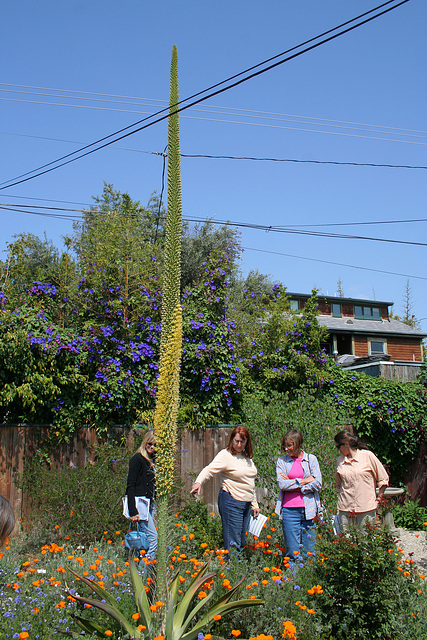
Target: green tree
117	257
199	242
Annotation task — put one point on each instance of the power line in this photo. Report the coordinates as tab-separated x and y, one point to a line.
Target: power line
339	264
249	158
318	122
178	108
332	162
247	225
288	255
228	222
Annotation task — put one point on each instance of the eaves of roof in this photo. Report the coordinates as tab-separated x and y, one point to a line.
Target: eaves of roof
378	327
321	296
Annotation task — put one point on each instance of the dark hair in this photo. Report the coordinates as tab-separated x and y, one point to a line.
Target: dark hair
295	436
347	437
7	519
244	433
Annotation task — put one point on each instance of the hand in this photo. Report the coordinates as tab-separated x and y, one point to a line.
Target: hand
284	476
195	489
306	480
256	511
135	518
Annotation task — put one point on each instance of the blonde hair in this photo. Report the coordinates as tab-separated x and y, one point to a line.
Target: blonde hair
149	438
7	519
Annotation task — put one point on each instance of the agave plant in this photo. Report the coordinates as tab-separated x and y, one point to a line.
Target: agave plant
181	614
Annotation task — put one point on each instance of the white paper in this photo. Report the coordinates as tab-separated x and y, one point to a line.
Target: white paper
256	525
142	506
336	525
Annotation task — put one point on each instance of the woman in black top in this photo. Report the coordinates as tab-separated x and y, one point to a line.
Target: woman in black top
141	482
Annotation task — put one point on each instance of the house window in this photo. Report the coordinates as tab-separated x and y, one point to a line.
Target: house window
294	305
377	347
336	310
367	313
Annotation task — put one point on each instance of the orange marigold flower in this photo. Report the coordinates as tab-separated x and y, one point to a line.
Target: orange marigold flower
202	594
311	611
204	545
216	617
60	605
141	627
136	616
108	632
208	636
236	633
159	638
24	634
153	607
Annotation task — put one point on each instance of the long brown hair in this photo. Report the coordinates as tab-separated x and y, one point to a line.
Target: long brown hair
244	433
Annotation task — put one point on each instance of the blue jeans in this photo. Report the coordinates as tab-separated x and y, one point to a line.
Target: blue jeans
148	527
298	532
235	516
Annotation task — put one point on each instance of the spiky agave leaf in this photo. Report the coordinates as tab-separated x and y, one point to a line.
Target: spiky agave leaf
179	617
141	599
109	606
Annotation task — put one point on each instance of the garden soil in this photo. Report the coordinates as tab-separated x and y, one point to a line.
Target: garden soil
414	545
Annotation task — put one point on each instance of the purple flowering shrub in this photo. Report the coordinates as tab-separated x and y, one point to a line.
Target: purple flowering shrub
210	371
281	350
390	416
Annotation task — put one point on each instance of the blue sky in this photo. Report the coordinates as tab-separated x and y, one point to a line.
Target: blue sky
75	71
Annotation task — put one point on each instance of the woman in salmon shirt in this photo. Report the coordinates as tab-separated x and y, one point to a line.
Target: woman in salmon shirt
299	480
357	476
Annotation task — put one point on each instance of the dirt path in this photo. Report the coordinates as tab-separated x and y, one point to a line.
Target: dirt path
415	543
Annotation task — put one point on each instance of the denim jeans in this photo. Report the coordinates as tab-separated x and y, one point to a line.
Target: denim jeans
235	516
148	527
298	531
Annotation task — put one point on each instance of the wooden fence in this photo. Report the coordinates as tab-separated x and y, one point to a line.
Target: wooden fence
19	443
195	449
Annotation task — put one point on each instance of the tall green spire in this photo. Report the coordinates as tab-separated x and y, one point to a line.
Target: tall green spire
167	402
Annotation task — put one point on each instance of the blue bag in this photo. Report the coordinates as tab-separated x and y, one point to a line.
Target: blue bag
136	540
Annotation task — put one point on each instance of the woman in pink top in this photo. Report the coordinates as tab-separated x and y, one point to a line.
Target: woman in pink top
299	480
357	476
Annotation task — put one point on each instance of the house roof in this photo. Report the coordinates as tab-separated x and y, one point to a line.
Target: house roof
378	303
380	327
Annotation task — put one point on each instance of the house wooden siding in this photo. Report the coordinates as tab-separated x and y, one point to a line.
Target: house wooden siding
404	349
360	346
400	349
361	336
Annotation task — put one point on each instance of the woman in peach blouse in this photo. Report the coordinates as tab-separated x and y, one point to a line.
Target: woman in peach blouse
358	475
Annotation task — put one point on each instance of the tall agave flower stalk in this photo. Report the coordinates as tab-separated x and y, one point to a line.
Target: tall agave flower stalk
165	417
